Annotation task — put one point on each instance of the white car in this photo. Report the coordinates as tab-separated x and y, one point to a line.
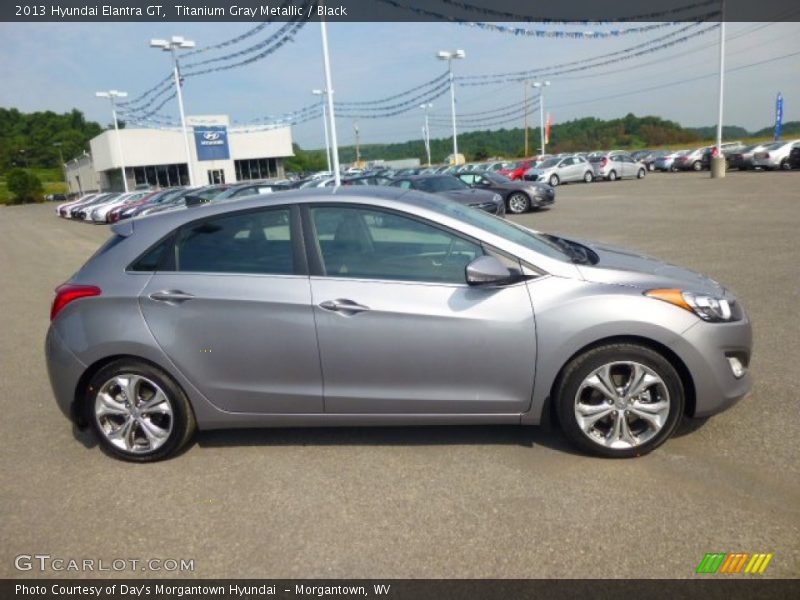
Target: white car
99	213
558	170
775	156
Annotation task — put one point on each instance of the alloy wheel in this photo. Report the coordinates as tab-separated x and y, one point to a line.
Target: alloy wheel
133	413
518	203
622	405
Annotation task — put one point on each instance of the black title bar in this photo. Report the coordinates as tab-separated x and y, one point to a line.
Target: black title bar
464	11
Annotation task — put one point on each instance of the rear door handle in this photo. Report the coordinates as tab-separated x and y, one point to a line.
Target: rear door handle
171	296
343	306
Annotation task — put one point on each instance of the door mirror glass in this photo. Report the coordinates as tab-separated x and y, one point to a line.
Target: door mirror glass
487	270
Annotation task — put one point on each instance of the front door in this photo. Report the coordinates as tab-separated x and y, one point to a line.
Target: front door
233	312
399	329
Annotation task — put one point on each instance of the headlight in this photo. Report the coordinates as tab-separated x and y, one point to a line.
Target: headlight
708	308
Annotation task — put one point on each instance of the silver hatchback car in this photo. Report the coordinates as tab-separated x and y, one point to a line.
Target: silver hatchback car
383	306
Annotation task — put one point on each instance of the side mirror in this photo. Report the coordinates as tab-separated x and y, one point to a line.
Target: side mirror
487	270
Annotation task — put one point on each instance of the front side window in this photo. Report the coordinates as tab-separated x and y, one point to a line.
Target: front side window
372	244
256	242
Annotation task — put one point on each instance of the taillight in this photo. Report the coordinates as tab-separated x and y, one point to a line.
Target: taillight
68	292
604	162
766	155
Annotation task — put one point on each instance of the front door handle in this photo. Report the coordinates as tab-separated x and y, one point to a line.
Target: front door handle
171	296
343	306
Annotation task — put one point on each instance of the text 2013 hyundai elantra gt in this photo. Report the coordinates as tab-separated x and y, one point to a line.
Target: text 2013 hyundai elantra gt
380	306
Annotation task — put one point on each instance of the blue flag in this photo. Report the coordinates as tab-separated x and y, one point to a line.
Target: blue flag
778	117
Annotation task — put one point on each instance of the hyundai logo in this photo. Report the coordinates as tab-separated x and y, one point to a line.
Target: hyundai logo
211	135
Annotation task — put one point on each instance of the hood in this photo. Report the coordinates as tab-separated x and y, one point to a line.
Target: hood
470	196
621	266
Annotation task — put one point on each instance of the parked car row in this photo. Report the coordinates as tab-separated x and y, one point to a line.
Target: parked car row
766	156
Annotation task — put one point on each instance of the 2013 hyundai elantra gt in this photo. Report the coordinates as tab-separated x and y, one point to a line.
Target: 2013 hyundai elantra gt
381	306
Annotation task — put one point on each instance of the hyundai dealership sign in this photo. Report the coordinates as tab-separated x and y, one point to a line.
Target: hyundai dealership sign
211	142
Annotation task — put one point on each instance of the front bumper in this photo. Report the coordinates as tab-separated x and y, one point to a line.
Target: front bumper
705	348
64	370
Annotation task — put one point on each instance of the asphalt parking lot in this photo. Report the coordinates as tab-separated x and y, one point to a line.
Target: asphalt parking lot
432	502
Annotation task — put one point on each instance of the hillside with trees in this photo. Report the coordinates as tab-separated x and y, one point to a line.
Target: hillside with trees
26	139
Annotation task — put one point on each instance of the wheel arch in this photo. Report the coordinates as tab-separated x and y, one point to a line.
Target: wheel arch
549	414
79	398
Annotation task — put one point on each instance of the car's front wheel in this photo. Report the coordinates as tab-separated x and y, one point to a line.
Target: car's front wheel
137	412
612	176
619	400
518	203
588	177
641	174
697	165
554	180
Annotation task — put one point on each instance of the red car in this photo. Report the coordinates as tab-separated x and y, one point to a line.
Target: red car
518	169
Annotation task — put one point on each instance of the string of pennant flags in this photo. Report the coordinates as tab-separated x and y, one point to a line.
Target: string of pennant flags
433	81
511	16
541	33
591	63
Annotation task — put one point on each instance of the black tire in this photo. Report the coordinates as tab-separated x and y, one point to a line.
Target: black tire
582	366
612	176
521	203
554	180
641	174
785	166
588	177
183	421
697	166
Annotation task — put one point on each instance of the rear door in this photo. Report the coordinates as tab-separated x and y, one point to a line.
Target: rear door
230	305
399	329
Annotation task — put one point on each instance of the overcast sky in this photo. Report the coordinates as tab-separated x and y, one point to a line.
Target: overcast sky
59	66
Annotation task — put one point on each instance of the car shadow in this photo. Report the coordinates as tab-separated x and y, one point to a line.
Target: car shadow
688	426
433	435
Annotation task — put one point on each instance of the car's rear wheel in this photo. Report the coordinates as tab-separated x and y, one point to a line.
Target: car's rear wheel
588	177
619	400
697	165
554	180
641	174
612	176
137	412
518	203
785	166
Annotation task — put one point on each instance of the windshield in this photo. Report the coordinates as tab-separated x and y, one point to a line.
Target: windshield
495	178
550	162
506	229
440	184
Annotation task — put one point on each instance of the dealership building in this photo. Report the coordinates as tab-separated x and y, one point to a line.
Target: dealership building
156	158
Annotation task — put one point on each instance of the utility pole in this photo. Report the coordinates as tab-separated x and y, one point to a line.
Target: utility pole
525	125
426	131
63	164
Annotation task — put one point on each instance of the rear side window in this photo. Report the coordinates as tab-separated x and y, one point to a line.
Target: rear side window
154	259
258	242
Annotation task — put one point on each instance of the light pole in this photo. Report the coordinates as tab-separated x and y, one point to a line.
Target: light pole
358	144
63	164
541	85
718	161
449	56
426	132
177	42
321	93
337	177
112	95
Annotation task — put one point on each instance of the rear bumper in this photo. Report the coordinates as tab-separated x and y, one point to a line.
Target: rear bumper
64	370
705	348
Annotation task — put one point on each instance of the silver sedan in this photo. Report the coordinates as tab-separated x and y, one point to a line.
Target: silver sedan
381	306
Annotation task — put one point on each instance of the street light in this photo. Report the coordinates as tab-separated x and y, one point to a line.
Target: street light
449	56
426	132
326	63
112	95
321	94
177	42
541	85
